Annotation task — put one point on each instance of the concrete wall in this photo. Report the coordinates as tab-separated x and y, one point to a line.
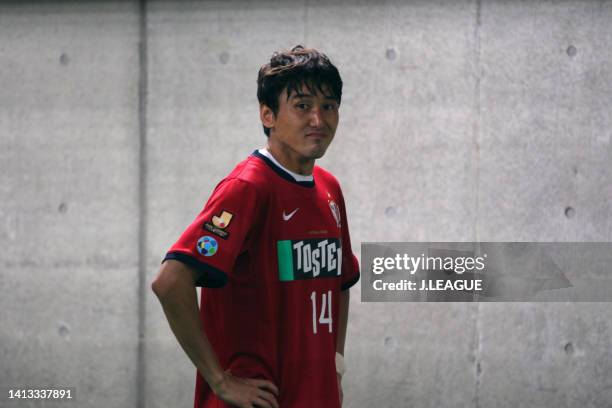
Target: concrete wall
68	199
461	120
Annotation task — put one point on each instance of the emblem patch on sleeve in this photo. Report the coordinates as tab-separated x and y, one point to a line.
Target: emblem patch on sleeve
219	223
223	220
207	246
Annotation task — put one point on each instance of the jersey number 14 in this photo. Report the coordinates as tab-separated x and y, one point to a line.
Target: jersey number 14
325	313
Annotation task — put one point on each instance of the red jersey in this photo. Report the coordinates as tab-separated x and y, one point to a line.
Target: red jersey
273	255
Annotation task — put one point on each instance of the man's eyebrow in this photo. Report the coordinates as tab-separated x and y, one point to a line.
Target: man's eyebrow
301	95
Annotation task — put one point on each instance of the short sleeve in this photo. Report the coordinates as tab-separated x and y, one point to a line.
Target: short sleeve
217	236
350	264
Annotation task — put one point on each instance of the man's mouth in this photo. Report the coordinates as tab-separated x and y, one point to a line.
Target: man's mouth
320	135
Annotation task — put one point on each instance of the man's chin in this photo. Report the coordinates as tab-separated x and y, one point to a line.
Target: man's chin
316	153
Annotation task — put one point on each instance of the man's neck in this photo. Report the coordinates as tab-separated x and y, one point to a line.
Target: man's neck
297	177
290	160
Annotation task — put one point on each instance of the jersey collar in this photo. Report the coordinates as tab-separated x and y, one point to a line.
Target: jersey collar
304	181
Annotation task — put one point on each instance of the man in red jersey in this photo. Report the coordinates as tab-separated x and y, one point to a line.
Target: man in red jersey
272	253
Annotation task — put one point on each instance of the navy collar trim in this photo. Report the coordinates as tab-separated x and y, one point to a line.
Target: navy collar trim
282	172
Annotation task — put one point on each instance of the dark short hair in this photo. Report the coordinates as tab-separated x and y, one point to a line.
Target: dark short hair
291	70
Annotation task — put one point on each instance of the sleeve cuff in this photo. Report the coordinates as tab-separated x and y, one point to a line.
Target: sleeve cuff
355	279
208	276
350	283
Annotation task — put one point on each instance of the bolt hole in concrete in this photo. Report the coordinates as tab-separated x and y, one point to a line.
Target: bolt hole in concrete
569	348
390	211
571	51
63	207
64	330
570	212
390	54
224	57
64	60
389	342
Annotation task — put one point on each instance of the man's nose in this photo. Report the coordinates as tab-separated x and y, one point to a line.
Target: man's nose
316	118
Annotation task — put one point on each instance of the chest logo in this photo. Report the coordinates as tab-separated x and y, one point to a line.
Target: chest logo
309	259
287	217
335	212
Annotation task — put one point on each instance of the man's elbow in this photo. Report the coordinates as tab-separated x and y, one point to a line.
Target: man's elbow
173	278
162	284
158	287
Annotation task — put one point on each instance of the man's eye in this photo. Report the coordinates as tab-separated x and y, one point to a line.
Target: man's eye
302	106
329	107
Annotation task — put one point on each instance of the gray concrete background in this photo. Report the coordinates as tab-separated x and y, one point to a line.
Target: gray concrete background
460	121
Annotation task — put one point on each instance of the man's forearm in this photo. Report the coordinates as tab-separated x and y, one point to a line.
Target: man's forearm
180	306
174	286
343	320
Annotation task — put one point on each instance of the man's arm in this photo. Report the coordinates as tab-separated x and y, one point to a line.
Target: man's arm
175	288
342	323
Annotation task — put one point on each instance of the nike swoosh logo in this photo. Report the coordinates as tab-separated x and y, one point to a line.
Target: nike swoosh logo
287	217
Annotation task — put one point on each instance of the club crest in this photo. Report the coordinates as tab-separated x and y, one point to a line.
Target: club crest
335	212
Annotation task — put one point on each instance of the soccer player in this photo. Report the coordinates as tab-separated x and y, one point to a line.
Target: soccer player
272	253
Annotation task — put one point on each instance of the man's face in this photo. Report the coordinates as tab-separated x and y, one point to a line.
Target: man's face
304	125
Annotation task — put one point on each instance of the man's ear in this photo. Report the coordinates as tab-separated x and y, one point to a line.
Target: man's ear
268	119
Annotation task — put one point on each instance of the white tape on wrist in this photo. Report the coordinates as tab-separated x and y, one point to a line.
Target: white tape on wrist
340	366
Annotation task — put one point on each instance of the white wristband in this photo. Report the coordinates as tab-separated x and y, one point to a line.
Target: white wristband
340	366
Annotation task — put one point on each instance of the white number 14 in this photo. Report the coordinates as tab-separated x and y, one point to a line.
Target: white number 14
325	316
